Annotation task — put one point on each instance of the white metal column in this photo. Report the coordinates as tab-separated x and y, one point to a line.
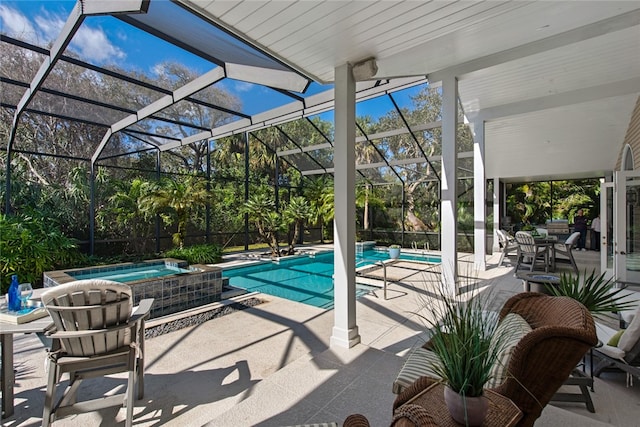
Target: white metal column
497	213
479	196
449	220
345	331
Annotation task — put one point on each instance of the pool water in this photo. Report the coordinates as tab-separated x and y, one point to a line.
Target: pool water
132	274
305	279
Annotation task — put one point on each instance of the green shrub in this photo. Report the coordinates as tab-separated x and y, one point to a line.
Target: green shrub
197	254
30	246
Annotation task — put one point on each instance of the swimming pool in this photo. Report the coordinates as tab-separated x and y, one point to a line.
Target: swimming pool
305	279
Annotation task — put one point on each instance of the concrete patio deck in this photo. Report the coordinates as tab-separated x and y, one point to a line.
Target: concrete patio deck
271	365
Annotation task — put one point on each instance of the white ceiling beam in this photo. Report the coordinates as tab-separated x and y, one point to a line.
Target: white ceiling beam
286	80
103	7
578	96
596	29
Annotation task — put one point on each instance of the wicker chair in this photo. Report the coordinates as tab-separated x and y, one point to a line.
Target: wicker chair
562	332
95	334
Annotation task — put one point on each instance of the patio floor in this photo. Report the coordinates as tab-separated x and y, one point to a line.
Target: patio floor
271	365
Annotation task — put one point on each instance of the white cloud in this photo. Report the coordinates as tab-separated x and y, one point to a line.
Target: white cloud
49	25
17	25
243	86
91	43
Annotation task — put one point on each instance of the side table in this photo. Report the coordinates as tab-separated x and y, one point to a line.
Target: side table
538	279
502	411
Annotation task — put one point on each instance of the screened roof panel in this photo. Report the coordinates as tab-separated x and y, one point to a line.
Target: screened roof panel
11	93
74	108
304	162
261	97
82	143
377	175
199	36
139	53
367	154
160	127
79	81
200	116
19	63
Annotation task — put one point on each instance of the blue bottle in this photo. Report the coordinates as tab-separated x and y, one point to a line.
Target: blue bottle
14	294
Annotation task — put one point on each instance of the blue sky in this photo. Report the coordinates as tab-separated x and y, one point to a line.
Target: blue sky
103	40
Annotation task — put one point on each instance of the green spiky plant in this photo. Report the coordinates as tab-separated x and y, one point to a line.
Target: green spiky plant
596	293
465	339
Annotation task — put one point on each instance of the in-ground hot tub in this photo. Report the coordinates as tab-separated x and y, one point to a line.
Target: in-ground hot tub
174	285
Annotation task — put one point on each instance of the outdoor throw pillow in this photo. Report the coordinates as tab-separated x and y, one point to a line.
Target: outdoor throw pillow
613	341
631	334
514	327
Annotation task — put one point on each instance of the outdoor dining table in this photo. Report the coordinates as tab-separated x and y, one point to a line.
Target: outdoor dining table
7	374
550	258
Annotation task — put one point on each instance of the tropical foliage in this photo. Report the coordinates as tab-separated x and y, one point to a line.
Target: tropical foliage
536	202
31	245
596	293
174	200
197	254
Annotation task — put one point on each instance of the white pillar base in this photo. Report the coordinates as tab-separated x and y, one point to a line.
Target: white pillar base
345	338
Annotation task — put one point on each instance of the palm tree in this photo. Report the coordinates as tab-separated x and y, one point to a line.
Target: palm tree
126	207
177	199
297	212
262	212
319	194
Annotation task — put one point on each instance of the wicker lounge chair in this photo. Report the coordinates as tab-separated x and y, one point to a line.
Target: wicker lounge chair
562	332
95	334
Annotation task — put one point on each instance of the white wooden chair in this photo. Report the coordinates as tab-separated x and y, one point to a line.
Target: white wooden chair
565	251
96	334
508	245
527	248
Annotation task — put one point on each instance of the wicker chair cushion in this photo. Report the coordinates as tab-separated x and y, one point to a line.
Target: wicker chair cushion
513	327
419	363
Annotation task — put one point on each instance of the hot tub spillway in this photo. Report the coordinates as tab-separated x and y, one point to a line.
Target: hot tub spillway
185	288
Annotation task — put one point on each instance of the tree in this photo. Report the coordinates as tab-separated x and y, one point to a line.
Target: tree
174	200
319	194
297	212
126	208
262	212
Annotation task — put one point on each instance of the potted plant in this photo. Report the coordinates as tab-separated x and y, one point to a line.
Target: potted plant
468	344
394	251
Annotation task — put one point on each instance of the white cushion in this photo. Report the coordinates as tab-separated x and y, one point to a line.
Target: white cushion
614	352
632	334
512	328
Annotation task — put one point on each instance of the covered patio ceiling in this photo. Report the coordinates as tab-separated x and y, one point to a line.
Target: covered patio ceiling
554	82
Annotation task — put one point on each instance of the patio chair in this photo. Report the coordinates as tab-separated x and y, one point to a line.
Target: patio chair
622	353
95	335
528	249
565	251
508	245
535	363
